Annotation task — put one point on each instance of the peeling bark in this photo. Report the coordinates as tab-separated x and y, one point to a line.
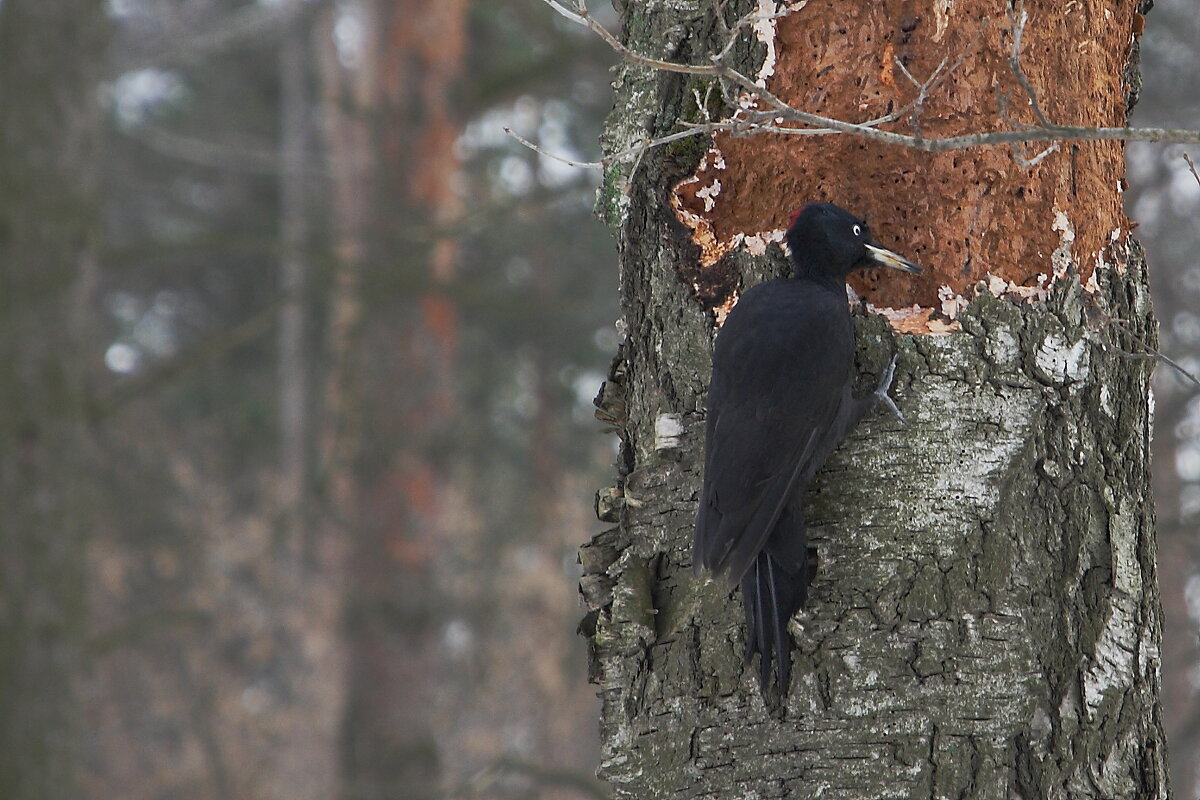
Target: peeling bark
984	620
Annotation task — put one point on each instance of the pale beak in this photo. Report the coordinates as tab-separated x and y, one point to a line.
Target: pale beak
889	259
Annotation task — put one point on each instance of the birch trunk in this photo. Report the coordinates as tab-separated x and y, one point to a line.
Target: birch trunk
984	620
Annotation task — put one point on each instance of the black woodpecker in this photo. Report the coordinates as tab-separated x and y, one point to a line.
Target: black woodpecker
779	403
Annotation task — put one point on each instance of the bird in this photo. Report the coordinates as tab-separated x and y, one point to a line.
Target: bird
779	402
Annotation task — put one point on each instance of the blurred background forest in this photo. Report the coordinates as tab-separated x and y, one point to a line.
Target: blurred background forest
298	357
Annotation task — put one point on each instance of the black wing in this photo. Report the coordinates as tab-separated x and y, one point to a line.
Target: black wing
778	404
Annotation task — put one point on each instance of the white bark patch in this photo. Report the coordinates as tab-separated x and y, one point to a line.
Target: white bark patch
722	311
1003	348
1060	259
1060	361
914	319
1113	663
1122	537
1039	292
1111	668
765	16
969	482
952	304
668	432
941	14
709	194
757	243
764	30
1106	404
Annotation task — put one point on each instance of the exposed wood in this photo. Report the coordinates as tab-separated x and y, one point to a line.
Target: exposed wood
964	215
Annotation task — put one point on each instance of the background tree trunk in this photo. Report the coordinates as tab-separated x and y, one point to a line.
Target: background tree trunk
984	620
48	226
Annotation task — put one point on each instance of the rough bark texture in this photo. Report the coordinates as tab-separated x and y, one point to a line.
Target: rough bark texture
984	620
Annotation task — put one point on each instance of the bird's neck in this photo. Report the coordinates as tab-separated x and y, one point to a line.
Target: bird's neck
821	279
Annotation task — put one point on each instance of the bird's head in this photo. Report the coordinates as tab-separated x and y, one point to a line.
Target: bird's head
826	241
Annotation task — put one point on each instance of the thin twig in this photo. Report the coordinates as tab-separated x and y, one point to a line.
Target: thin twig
899	63
1191	166
581	16
936	78
1055	133
537	149
635	151
566	12
780	112
918	105
1018	16
718	7
746	128
702	102
1018	155
1149	351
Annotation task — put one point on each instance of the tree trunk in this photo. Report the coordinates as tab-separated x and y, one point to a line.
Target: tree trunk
984	619
295	150
50	119
400	123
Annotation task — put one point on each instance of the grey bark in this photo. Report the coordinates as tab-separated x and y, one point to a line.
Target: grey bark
48	218
984	620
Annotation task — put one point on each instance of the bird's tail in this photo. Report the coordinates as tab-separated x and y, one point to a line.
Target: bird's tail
774	589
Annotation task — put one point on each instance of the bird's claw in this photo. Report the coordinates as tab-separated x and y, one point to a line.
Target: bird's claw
885	383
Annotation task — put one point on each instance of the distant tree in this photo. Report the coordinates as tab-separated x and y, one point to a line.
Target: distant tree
49	56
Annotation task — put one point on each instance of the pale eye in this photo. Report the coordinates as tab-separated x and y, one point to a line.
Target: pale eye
858	230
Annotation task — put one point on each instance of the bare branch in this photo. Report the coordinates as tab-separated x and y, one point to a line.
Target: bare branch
899	63
742	128
1018	154
1018	16
580	15
918	105
1148	352
1154	355
772	119
537	149
1191	166
718	7
566	12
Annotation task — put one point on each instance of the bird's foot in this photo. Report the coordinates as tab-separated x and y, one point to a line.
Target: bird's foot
885	383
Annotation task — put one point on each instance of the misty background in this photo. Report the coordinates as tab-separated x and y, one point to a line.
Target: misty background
342	337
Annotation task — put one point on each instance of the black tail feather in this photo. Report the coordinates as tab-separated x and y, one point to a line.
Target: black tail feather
772	591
